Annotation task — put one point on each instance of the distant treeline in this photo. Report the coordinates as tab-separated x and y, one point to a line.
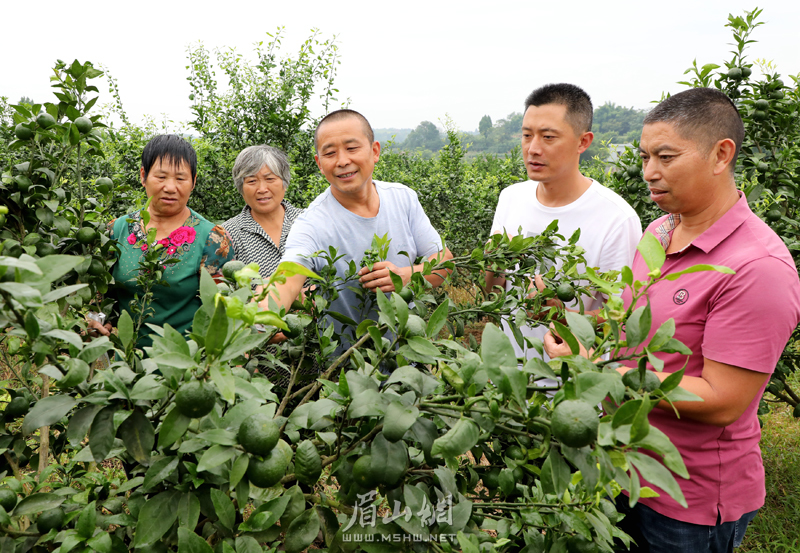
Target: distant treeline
612	124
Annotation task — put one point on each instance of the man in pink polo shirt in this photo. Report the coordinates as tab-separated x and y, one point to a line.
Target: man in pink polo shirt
736	325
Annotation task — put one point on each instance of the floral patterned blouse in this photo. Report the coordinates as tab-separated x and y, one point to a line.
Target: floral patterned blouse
198	245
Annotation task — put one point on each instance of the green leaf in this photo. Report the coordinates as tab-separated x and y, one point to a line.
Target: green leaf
172	428
302	532
189	542
242	345
125	328
658	442
438	319
223	508
538	367
217	332
496	349
415	379
222	376
24	294
239	469
188	510
159	471
555	473
55	266
664	333
87	521
290	269
652	251
581	328
175	360
655	473
138	436
672	381
37	502
640	426
399	418
568	337
215	456
46	412
423	346
208	291
156	517
700	268
637	326
62	291
101	433
369	403
80	422
149	387
101	543
247	544
386	309
458	440
626	412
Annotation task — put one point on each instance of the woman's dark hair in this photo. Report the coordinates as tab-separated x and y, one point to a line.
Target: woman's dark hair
169	148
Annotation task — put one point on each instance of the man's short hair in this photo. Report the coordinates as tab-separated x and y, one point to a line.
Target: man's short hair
703	115
253	158
578	104
169	148
340	114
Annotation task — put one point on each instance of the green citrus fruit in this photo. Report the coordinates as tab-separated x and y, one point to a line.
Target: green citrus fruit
22	132
774	215
8	499
776	95
97	267
735	73
258	434
84	124
632	380
634	171
104	185
574	423
45	120
633	188
565	292
48	520
746	72
3	210
579	544
231	267
295	326
415	326
307	463
777	83
516	453
364	474
761	104
43	249
406	294
762	167
759	115
268	471
459	328
17	407
195	399
86	235
491	479
796	411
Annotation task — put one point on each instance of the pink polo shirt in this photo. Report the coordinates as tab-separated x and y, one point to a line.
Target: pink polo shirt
742	320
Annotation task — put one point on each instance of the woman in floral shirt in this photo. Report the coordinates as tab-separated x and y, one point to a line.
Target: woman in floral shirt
168	173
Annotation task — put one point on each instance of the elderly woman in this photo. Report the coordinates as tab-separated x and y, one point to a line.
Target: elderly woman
168	174
261	174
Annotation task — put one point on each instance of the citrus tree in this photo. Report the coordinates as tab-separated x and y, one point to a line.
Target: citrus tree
408	438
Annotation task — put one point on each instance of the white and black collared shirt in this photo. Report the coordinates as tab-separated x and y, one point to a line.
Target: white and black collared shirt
253	245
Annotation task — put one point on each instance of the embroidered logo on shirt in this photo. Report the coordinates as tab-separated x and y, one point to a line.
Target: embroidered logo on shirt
681	296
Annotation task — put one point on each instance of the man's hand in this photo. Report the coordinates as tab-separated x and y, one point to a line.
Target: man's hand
94	328
379	276
554	346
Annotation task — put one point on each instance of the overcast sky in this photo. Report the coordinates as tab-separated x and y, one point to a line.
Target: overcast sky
402	62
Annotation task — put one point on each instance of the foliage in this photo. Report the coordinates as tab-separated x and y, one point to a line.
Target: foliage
267	101
613	124
425	137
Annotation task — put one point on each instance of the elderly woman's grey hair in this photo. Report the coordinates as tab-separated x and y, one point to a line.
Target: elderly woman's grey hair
253	158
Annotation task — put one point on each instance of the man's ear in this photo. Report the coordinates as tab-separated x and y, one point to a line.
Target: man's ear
586	141
316	160
723	153
141	174
376	150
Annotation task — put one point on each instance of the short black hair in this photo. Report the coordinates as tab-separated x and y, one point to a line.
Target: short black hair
340	114
578	103
703	115
169	148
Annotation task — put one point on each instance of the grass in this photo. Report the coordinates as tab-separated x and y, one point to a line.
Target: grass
776	529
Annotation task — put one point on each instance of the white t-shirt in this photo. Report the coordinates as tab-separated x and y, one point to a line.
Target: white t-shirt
610	231
327	223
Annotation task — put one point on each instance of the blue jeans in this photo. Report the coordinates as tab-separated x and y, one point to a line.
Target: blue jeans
656	533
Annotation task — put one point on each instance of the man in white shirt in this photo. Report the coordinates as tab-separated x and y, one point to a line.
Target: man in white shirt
556	130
